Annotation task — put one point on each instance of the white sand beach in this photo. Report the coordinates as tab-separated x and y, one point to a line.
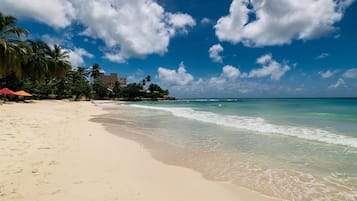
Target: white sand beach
49	150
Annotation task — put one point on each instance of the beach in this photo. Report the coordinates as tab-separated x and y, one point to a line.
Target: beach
52	150
291	149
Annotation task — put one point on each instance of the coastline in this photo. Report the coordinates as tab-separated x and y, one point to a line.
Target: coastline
53	151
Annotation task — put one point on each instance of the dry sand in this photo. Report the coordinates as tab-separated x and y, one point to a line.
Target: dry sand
50	151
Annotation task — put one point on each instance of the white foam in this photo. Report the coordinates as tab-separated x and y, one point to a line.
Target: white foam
258	124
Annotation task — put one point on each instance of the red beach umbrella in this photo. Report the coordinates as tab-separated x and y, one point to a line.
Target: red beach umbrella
6	91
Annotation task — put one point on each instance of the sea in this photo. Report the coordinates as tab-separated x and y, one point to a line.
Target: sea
292	149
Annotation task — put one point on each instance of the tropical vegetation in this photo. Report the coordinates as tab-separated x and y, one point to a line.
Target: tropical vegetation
45	71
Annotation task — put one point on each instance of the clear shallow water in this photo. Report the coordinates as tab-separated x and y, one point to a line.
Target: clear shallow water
295	149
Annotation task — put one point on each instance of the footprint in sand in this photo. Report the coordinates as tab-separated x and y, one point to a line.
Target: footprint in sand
18	171
57	191
34	171
52	163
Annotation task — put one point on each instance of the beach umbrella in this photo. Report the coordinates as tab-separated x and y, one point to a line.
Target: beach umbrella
6	91
22	93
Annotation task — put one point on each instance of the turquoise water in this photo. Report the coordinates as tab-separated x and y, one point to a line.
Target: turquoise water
295	149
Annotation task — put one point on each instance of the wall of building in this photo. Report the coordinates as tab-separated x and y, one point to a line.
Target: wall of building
109	80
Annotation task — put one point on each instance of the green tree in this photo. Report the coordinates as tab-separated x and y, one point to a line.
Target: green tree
99	90
157	92
37	64
79	84
83	72
58	63
13	51
116	89
11	81
133	91
62	88
95	72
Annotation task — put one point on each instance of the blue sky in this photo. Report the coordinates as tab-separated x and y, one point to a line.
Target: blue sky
199	48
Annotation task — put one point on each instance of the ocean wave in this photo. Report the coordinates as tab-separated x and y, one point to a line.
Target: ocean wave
210	100
258	124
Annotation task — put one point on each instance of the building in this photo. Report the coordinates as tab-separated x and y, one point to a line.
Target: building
109	80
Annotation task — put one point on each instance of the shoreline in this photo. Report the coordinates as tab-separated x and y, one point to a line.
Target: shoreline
52	151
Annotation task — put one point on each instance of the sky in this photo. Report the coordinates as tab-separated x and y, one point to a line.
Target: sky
206	49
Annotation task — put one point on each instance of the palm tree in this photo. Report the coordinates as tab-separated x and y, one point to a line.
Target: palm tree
13	52
58	65
78	82
83	72
95	72
37	64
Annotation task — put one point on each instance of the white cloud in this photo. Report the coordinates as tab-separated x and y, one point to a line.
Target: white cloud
144	27
50	40
214	53
206	20
136	77
173	77
76	56
230	82
133	28
340	83
350	73
278	22
226	80
270	68
323	55
265	59
230	72
182	84
181	22
327	74
56	13
115	57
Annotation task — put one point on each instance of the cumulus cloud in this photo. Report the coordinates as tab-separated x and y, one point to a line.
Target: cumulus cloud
76	56
340	83
229	76
327	74
50	40
214	53
227	80
180	22
270	68
144	27
230	72
350	73
56	13
175	77
278	22
227	84
136	77
323	55
115	57
133	28
65	40
230	82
